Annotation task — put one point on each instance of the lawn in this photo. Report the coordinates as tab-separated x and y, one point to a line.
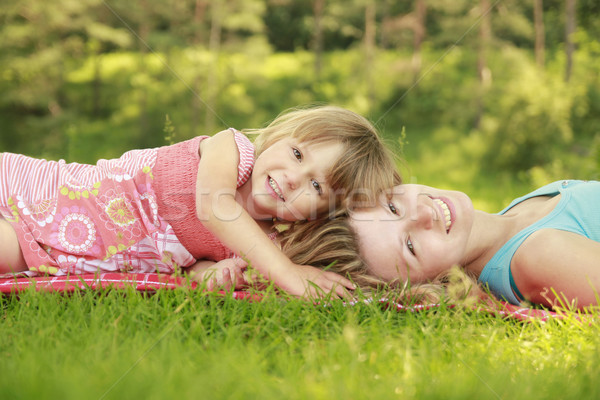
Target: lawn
123	344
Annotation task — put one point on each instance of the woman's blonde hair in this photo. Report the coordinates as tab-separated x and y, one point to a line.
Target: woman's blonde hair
365	168
331	244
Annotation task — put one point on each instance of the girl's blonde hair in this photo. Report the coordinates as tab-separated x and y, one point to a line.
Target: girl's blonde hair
366	166
331	244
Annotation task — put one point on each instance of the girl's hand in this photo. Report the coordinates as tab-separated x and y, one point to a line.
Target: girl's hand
310	282
225	274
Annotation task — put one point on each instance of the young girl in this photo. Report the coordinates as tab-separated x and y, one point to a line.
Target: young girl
199	200
543	248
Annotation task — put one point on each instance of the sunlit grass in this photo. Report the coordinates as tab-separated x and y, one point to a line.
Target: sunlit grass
182	344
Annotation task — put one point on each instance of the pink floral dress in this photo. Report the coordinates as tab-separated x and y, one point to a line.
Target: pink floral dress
77	218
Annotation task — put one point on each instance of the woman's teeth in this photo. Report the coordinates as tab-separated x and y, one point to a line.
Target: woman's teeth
447	217
275	188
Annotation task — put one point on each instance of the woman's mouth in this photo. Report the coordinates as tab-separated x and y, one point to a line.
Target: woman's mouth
446	214
273	185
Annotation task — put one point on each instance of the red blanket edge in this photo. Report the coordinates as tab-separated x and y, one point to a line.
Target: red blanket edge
149	282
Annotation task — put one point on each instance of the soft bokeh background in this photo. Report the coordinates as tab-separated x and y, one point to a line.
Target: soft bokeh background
490	97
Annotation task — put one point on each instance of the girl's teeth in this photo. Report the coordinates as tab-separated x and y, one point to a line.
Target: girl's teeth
275	188
447	218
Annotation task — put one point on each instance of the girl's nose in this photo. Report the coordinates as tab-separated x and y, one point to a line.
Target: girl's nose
292	180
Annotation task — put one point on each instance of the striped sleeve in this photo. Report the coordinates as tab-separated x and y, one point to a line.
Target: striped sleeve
246	150
35	179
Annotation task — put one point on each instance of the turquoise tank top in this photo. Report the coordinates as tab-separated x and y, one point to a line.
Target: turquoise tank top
577	211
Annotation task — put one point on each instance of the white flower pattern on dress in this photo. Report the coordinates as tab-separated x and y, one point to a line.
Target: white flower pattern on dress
41	212
76	233
119	174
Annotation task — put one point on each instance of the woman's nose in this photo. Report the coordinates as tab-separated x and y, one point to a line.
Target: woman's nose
423	216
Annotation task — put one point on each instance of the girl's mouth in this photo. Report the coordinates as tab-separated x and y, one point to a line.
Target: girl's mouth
273	185
447	212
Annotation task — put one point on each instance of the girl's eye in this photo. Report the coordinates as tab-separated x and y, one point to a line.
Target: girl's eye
317	186
392	208
297	153
410	246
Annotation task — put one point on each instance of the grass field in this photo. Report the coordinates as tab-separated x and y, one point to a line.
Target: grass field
183	344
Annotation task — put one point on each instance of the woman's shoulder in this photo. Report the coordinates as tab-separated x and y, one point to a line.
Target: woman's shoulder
554	258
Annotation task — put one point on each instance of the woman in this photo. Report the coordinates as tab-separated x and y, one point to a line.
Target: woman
543	248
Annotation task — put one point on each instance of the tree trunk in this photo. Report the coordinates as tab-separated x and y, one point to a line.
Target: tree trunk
318	7
199	12
385	17
419	34
483	71
144	31
370	48
212	84
569	29
540	43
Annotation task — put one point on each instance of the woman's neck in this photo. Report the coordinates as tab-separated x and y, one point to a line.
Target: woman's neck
491	231
488	234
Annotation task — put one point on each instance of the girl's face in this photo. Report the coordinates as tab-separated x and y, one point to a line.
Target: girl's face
288	179
416	234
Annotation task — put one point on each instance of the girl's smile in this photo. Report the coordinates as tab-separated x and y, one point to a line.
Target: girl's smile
273	189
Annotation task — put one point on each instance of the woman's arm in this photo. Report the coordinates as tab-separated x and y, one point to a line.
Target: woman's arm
564	261
218	210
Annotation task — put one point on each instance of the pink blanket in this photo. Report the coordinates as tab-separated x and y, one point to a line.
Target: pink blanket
148	282
144	282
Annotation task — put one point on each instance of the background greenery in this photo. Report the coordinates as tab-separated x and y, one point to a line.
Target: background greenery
90	79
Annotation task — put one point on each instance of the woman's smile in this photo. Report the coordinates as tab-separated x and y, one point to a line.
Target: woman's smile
416	233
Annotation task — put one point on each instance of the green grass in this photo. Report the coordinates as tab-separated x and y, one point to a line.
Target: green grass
183	344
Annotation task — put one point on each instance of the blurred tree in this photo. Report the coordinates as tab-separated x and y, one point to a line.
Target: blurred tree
419	30
39	43
588	13
530	124
483	72
317	42
199	14
217	14
286	26
569	40
398	23
369	43
538	17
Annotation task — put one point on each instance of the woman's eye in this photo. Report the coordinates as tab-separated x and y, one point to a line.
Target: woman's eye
410	246
297	153
393	208
317	186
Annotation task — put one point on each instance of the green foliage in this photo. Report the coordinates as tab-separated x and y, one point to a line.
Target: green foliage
169	130
530	121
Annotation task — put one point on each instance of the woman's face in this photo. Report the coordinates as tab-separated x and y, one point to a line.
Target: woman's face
416	234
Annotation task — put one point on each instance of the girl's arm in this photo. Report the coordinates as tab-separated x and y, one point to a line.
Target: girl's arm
564	261
216	206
